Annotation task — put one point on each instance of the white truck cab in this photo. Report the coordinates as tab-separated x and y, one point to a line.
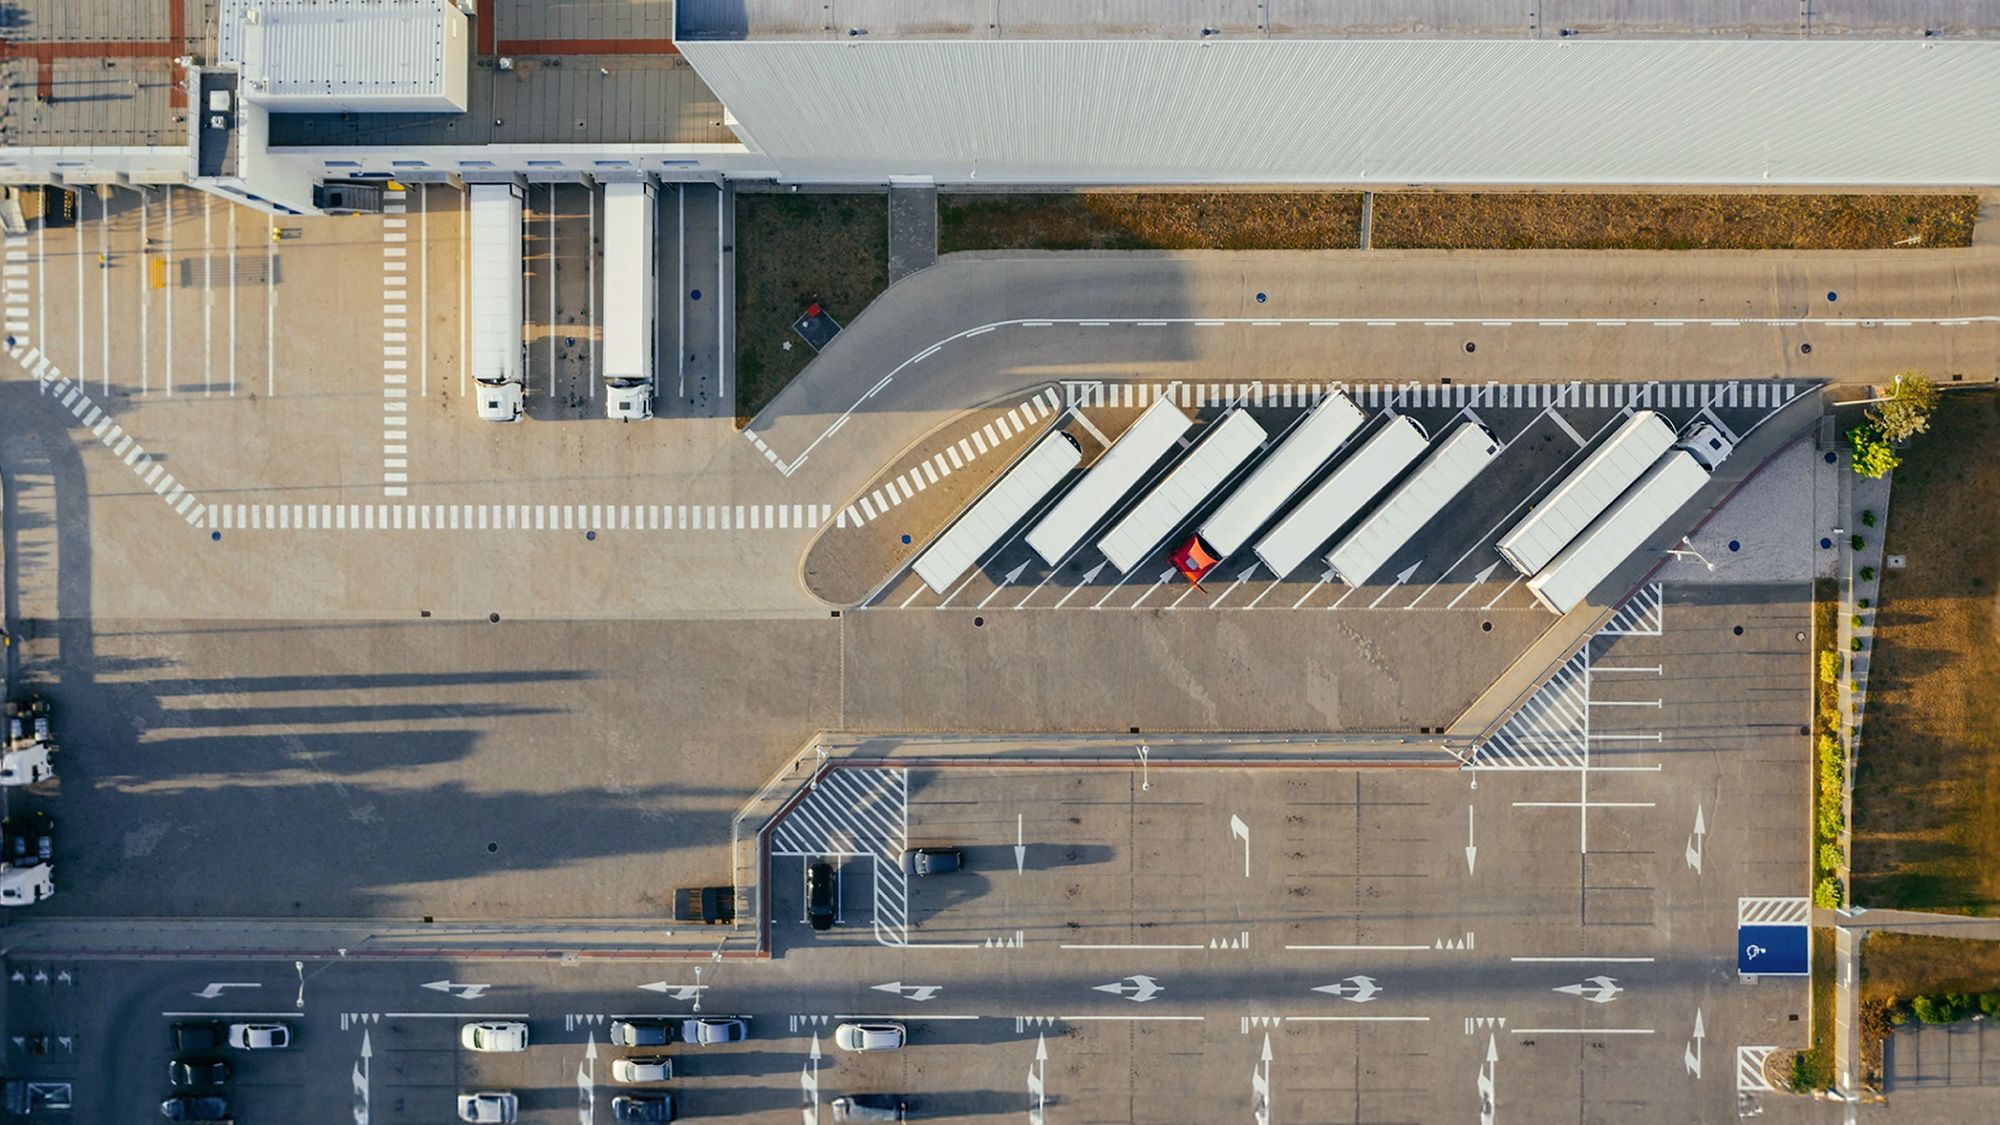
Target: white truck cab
26	757
629	299
500	399
25	885
498	347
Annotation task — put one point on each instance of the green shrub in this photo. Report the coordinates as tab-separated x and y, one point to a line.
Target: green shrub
1808	1073
1868	517
1826	896
1863	603
1949	1008
1856	622
1873	457
1857	543
1829	856
1829	666
1989	1004
1868	574
1855	644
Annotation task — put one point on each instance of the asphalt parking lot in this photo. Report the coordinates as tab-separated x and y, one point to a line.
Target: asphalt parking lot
1545	430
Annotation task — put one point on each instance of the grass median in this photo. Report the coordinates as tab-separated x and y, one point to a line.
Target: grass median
1926	830
1616	221
793	250
1098	220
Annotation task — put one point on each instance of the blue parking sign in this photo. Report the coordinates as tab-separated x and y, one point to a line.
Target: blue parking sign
1773	951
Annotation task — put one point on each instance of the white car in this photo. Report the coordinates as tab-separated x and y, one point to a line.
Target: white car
869	1036
499	1036
643	1068
259	1036
489	1108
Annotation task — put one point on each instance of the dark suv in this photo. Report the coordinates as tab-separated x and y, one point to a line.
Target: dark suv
819	896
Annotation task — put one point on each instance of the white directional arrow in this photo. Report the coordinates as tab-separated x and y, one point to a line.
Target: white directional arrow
674	991
1166	576
809	1080
586	1083
361	1069
1248	572
1138	989
1471	851
1260	1085
1697	842
1489	1074
1004	583
1325	576
1241	831
1089	576
1400	579
1693	1055
1038	1081
917	992
1363	989
215	988
1478	580
462	991
1597	990
1020	845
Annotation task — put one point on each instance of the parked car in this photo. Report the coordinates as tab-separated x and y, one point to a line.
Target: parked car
819	896
204	1036
705	1030
638	1033
934	861
197	1072
259	1036
186	1108
642	1107
642	1068
489	1108
713	906
496	1036
870	1107
869	1036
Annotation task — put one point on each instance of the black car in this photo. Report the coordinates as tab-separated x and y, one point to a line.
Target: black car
642	1107
206	1036
819	896
638	1033
935	861
195	1109
197	1072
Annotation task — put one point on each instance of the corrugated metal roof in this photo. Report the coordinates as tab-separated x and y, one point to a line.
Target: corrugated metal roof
1163	19
366	50
1369	111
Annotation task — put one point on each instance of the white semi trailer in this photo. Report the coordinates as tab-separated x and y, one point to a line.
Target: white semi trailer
1438	478
1356	481
629	300
1007	503
1635	517
1310	445
1142	444
499	348
1584	494
1227	445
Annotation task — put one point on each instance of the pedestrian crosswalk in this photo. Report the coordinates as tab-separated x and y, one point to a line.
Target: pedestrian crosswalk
152	475
1747	394
1024	418
395	345
1642	615
1551	729
587	518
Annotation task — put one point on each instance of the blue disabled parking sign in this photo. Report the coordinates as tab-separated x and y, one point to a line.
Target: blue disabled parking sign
1772	951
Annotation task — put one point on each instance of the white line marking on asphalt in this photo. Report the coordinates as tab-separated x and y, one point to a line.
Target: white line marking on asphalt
1357	1019
1586	960
1133	945
1358	948
1582	1030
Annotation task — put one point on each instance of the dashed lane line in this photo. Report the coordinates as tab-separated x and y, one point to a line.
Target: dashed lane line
590	518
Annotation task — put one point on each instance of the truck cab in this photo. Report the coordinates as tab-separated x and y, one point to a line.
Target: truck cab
26	757
713	906
24	886
1706	444
500	399
628	399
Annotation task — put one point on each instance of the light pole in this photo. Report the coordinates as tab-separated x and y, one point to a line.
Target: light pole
300	968
1687	548
1895	391
1145	777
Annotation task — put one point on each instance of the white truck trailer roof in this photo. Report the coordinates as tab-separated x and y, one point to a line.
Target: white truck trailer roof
497	313
1020	488
1310	445
629	299
1623	528
1342	496
1228	444
1585	493
1143	442
1441	475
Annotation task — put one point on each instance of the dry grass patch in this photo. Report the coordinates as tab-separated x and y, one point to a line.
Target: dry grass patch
1897	968
1927	792
1149	221
792	250
1564	221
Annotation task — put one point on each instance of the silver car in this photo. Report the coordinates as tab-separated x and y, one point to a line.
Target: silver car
870	1036
642	1068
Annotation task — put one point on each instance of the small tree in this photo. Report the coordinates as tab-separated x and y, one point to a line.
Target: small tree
1906	407
1873	457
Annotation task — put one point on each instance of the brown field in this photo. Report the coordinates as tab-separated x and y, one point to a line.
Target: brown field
790	251
1150	221
1927	793
1569	221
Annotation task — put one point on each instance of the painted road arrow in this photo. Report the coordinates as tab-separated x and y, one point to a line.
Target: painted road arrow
1248	572
1004	583
1089	576
1038	1081
1137	989
1478	580
1471	850
1696	842
1489	1075
462	991
1597	990
809	1080
361	1070
917	992
1692	1058
1020	845
215	988
1260	1085
676	991
1400	579
586	1083
1363	989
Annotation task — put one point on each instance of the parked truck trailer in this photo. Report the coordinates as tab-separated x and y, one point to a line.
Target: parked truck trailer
499	348
1438	478
1354	483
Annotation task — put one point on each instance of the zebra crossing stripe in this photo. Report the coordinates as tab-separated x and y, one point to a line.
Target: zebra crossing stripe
1642	615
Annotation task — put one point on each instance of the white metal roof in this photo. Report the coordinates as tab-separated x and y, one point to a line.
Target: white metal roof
1621	530
1360	111
1115	473
628	281
346	54
1586	492
1341	496
1442	474
1227	445
1020	488
1307	447
495	269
